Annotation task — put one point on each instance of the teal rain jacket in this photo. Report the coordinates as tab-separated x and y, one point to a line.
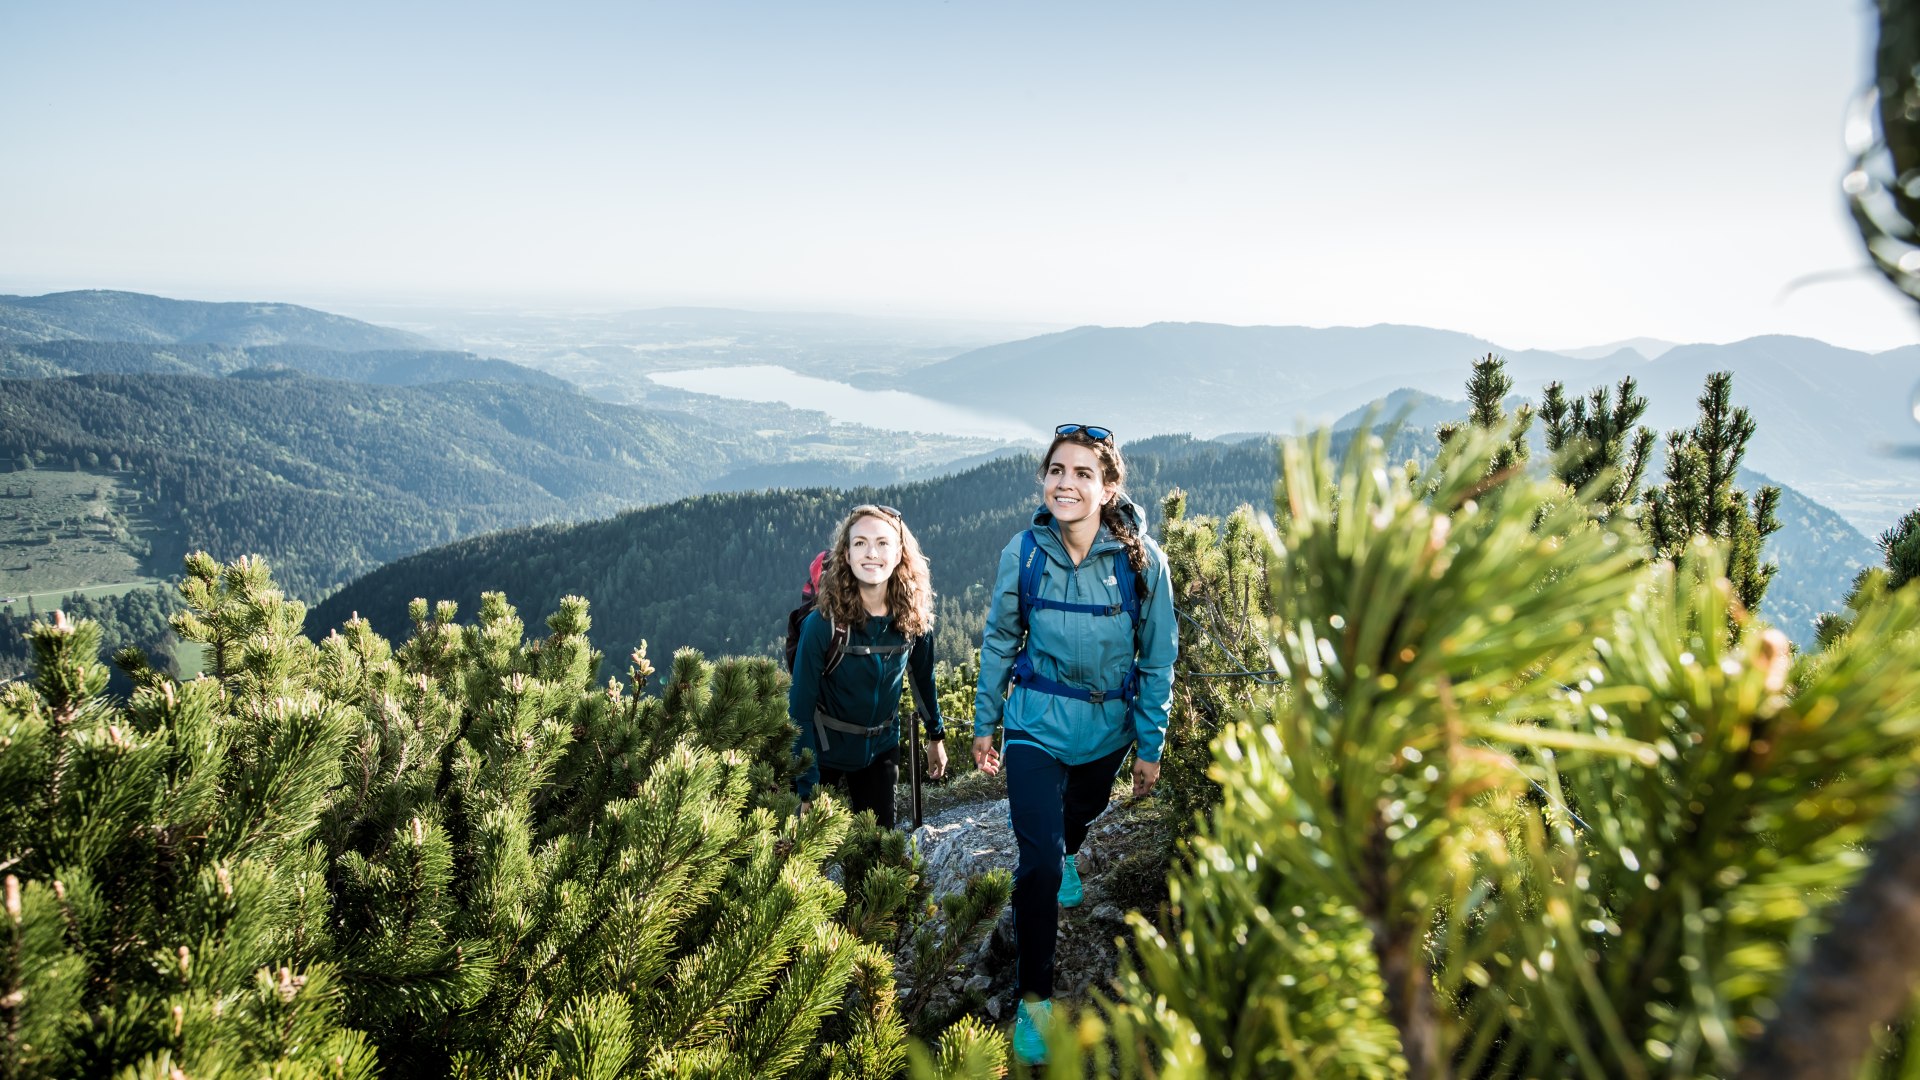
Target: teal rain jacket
863	690
1089	651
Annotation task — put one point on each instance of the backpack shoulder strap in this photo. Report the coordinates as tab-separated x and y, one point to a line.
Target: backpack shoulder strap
1032	562
837	636
1127	579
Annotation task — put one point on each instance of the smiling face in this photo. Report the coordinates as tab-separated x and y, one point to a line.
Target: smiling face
1074	487
873	550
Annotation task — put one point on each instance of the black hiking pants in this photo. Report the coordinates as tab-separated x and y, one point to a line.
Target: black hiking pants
869	787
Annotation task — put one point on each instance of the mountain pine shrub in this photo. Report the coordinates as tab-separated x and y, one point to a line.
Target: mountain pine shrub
1219	574
1900	546
166	910
1532	807
1487	390
1698	497
456	857
1599	439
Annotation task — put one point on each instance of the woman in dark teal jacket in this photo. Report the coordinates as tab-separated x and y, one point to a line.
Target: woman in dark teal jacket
1076	667
871	627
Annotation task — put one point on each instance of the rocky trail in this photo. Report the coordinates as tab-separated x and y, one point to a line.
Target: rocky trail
1122	866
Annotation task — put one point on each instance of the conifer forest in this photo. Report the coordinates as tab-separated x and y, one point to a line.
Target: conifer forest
1483	763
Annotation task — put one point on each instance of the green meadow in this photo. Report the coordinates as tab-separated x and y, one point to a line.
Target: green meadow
64	531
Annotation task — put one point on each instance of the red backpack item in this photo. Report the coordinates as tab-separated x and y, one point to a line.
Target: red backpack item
808	593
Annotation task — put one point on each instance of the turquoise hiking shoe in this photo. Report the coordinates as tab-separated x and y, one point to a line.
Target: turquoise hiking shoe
1030	1025
1070	891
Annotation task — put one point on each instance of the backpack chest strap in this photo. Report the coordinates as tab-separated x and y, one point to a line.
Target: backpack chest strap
840	646
875	650
1042	603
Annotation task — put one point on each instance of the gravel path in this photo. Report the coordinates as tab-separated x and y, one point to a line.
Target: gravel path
973	838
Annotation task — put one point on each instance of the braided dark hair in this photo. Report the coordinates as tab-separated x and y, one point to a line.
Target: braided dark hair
1113	473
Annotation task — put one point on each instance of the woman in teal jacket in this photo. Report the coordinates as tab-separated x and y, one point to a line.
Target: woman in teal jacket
1082	629
871	627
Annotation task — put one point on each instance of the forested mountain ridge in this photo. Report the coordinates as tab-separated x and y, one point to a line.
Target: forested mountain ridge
718	572
393	367
330	479
108	315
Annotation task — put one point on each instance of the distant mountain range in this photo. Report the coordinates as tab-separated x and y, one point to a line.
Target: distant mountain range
603	354
1825	414
333	447
392	367
216	412
102	315
1204	378
1648	348
608	351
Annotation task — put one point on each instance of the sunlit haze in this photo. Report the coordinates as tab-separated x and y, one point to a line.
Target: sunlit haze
1541	175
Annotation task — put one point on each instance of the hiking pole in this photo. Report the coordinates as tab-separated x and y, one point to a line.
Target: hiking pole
913	760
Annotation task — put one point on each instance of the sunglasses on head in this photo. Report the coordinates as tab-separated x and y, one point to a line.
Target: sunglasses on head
867	508
1091	431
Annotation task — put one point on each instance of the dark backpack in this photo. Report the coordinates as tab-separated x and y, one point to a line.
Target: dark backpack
808	593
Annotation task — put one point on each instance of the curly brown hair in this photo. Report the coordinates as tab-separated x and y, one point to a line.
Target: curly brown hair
1113	473
909	591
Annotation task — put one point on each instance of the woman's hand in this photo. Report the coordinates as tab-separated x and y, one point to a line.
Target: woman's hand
936	759
985	757
1145	775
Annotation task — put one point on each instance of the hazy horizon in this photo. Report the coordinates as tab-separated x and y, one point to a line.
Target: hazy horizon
1535	176
371	309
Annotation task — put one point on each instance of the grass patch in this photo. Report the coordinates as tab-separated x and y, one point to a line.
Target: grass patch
1137	878
50	599
191	658
63	531
964	786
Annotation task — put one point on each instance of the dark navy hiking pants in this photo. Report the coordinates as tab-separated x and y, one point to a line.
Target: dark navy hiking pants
1051	804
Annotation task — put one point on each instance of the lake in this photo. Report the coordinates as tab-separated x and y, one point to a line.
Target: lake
891	409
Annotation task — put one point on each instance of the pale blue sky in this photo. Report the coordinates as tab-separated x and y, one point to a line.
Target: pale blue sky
1541	174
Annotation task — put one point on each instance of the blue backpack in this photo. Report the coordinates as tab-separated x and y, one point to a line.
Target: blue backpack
1032	563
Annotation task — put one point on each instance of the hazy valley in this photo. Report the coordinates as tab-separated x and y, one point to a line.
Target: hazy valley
336	448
